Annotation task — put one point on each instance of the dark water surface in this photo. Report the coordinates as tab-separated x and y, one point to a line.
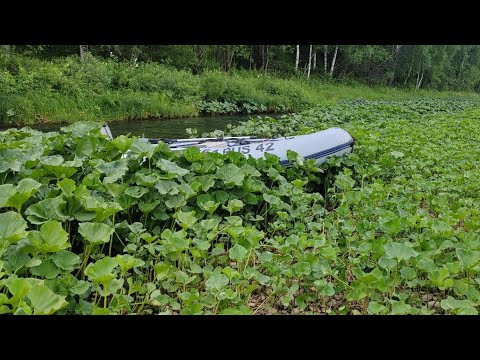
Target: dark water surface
174	128
164	128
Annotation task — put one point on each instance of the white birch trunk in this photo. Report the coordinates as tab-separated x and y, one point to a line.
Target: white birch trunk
297	58
83	50
265	59
325	59
334	60
419	80
309	62
314	60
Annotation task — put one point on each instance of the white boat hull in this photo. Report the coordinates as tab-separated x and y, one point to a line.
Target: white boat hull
318	146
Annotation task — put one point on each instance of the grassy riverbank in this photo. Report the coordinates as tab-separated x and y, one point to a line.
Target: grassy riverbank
69	90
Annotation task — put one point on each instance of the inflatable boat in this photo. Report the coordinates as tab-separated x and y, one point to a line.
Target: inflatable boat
318	146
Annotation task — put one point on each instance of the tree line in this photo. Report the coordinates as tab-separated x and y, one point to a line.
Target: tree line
440	67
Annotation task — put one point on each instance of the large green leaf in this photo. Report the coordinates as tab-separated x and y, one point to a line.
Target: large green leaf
66	260
468	258
193	154
10	159
82	129
122	143
50	238
171	167
167	187
19	287
141	148
230	174
47	269
234	205
391	226
186	219
23	191
146	180
440	278
175	241
128	262
238	253
45	210
86	147
95	233
45	301
67	186
6	191
175	201
136	191
102	209
206	181
217	282
399	251
114	189
113	171
12	228
209	205
205	202
111	287
62	171
17	260
148	206
461	307
272	199
75	209
302	268
439	226
54	160
101	272
186	190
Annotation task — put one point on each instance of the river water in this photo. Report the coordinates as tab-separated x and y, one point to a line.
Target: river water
164	128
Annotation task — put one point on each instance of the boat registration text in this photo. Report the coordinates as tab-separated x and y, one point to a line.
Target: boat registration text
245	149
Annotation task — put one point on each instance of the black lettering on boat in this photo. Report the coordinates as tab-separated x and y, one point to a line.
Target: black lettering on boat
245	150
264	147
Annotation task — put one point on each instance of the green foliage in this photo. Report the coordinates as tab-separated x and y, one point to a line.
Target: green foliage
392	228
69	89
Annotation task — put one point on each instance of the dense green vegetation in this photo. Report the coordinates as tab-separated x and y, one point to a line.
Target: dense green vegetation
441	67
39	84
392	228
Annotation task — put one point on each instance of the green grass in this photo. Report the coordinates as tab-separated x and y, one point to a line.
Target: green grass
69	90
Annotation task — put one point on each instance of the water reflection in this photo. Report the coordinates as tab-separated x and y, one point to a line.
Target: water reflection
165	128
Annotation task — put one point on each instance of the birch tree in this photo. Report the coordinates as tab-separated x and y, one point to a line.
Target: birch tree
83	50
309	62
297	57
333	61
325	58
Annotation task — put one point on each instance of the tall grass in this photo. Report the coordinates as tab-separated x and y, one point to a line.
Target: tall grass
69	90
